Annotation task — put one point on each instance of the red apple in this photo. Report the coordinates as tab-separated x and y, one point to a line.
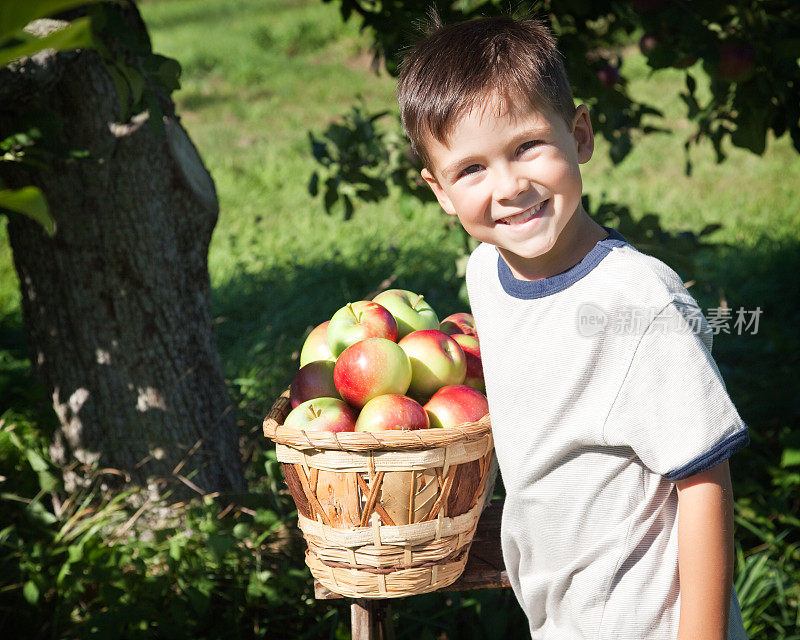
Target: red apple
322	414
456	404
647	6
647	43
608	75
316	345
458	323
392	412
436	361
315	380
410	310
358	321
472	352
737	62
370	368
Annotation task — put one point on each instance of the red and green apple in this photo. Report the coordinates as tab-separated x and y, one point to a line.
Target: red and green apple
459	323
322	414
358	321
392	411
316	345
436	361
314	380
472	352
370	368
456	404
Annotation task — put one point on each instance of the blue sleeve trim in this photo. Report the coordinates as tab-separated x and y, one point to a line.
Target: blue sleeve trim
712	457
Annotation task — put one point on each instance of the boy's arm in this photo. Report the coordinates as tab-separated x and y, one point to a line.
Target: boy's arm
705	553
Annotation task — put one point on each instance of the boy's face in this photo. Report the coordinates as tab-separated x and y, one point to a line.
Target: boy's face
513	182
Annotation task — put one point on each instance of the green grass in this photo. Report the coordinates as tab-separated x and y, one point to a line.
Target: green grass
259	74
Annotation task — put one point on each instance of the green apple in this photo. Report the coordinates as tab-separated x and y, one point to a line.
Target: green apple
410	310
436	361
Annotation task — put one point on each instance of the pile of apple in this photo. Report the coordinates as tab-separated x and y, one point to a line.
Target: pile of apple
388	364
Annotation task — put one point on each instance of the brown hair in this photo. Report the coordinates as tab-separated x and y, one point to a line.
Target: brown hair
457	67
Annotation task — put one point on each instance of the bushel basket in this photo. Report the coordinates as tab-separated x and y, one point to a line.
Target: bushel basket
385	514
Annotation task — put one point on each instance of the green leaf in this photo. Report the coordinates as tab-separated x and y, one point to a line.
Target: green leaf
63	573
47	481
123	91
176	544
135	82
75	552
31	592
169	73
790	457
76	35
37	511
15	15
219	545
751	131
36	461
28	201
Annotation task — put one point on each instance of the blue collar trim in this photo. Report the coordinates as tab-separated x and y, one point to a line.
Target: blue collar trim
530	289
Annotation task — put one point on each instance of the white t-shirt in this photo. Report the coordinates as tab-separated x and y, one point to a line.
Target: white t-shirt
602	392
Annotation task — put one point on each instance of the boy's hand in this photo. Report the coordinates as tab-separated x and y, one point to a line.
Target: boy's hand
705	553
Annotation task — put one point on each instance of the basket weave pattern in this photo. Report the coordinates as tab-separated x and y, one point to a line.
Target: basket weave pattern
385	514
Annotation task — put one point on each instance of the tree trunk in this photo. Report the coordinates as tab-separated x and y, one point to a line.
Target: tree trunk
117	304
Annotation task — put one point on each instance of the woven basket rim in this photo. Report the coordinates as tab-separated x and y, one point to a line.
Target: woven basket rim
367	441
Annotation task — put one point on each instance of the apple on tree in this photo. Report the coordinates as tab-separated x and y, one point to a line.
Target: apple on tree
737	62
472	352
322	414
459	323
436	361
392	412
370	368
316	345
453	405
409	309
608	75
358	321
314	380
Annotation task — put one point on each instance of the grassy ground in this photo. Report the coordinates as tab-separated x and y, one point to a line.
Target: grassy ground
259	74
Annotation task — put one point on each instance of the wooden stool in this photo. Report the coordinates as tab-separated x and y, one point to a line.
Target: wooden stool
371	618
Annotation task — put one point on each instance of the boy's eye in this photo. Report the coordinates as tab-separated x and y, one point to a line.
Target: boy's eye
473	168
529	145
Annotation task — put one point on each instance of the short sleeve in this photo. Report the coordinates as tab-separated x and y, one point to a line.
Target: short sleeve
672	407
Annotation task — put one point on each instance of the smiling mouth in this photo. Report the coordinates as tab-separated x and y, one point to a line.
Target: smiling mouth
521	218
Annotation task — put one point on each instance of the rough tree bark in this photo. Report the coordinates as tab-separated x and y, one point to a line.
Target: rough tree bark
117	304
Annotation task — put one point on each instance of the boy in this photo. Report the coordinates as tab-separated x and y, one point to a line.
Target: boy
608	411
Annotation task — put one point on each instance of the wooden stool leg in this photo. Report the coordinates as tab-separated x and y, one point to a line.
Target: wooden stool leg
371	620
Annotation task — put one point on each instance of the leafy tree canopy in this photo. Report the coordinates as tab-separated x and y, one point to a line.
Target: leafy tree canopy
749	50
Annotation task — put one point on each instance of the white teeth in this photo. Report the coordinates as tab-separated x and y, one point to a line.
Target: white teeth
522	217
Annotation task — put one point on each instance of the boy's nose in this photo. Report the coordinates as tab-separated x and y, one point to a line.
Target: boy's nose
510	185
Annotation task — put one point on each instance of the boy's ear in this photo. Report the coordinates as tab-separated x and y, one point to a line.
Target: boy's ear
441	196
583	134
